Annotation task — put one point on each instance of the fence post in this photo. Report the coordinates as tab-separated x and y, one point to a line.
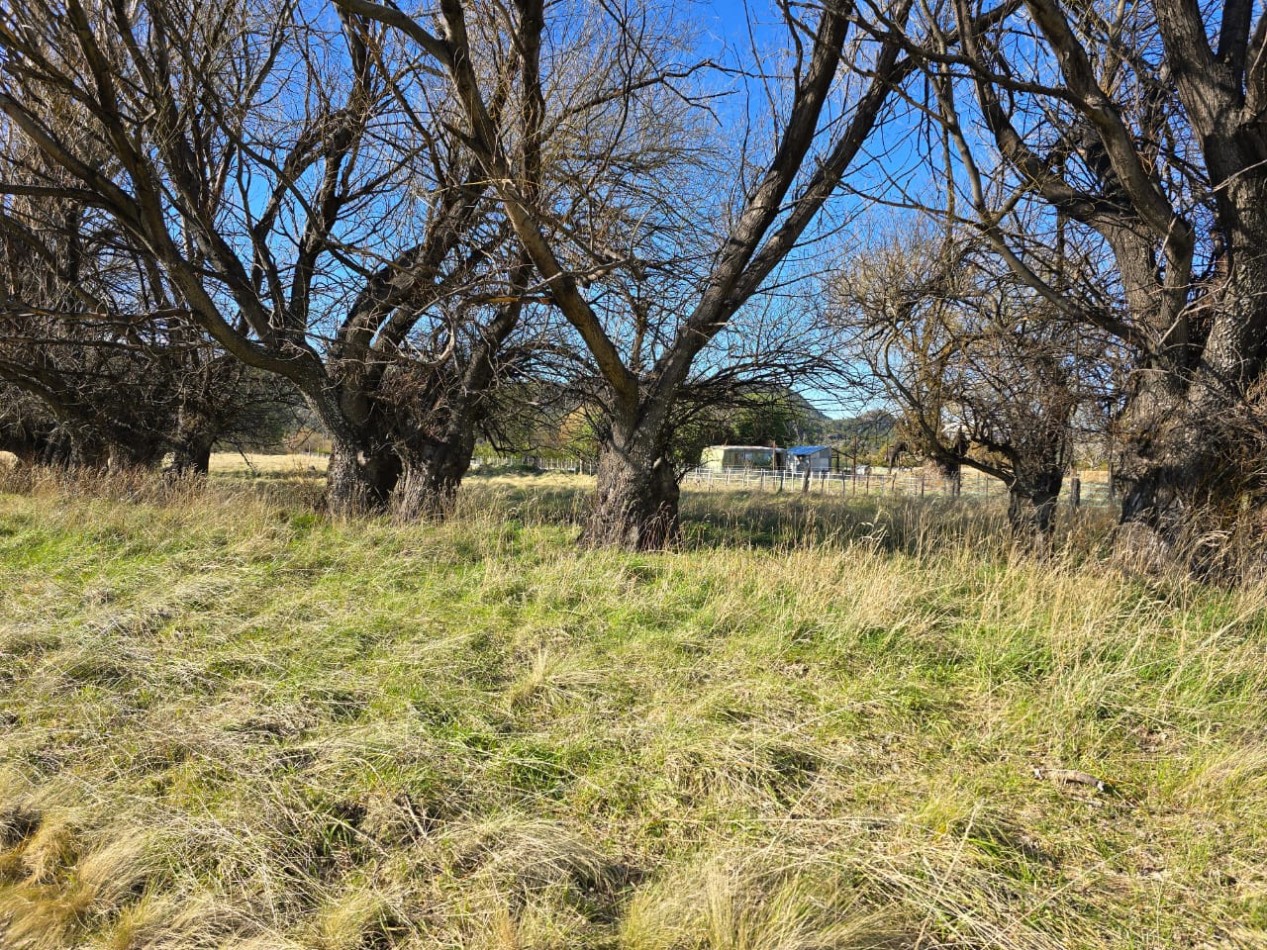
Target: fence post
1075	491
805	482
921	484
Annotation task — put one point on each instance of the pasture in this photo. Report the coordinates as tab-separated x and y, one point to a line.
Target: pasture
226	720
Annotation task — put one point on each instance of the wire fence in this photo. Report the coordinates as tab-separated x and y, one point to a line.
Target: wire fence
573	466
918	483
1077	490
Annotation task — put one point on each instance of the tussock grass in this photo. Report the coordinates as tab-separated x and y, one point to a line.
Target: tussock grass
226	721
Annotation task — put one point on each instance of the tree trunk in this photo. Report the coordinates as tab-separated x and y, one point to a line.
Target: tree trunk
81	451
1192	446
56	448
129	454
432	476
1189	450
360	481
27	454
194	436
636	503
29	447
1031	509
1184	485
1159	471
364	468
192	457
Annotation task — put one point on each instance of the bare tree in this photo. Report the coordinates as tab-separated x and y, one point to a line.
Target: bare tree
985	373
30	432
1143	128
643	330
126	379
294	210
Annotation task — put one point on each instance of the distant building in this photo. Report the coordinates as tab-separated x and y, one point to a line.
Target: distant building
717	458
812	458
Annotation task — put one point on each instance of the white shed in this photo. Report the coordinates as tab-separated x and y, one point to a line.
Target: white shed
813	458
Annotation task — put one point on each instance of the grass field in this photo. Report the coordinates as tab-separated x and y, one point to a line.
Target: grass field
227	721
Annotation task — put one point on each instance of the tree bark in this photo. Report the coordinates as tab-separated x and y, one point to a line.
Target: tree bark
431	479
130	454
29	446
78	450
1185	478
1031	509
1191	442
360	481
636	504
436	449
192	457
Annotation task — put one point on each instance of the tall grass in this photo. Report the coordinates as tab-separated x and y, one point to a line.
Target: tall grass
226	721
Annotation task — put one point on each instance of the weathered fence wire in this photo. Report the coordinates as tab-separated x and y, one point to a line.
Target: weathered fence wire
916	482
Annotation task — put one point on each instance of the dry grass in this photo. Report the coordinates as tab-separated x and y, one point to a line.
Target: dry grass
253	464
230	722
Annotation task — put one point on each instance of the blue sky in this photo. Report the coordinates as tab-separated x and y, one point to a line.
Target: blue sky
726	26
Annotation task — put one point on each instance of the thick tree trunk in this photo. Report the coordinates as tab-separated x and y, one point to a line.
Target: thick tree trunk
636	503
364	468
83	451
56	448
360	481
1184	485
432	475
1191	446
28	447
192	457
27	454
130	454
1031	509
1189	450
194	437
1163	467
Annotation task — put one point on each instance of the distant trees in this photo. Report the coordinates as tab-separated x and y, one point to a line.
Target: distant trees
985	373
97	396
29	431
761	416
106	372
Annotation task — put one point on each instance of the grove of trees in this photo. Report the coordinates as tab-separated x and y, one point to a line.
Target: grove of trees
1013	222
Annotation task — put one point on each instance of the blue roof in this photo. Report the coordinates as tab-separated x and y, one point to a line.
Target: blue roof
807	449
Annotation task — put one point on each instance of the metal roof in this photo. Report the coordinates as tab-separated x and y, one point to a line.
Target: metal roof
807	449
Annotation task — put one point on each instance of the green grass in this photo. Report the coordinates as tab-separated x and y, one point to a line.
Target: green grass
225	721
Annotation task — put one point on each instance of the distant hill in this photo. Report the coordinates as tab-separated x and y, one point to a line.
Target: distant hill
872	432
811	424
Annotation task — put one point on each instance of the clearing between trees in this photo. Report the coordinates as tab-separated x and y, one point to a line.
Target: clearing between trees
819	723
